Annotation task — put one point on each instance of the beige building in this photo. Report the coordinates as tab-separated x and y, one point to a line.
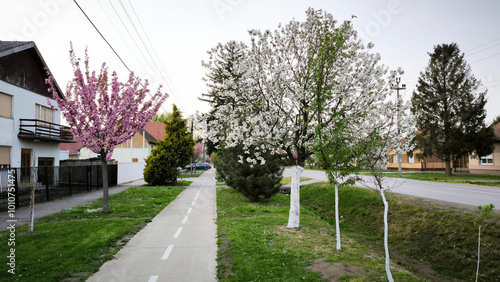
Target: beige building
489	164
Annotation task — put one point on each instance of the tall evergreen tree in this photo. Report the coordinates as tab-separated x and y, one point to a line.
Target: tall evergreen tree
175	150
450	109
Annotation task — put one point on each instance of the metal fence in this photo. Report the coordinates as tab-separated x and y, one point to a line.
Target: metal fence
52	182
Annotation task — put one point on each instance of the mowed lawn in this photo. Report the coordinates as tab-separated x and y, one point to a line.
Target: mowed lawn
72	244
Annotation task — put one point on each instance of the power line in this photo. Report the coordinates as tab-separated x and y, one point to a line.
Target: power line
154	51
102	36
114	51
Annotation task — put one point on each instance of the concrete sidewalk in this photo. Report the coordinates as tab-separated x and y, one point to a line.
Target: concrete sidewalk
22	214
180	243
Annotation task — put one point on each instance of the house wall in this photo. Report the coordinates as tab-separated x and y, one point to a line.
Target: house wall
476	168
23	107
130	171
129	154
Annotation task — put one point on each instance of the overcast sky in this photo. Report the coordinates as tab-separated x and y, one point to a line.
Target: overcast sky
180	33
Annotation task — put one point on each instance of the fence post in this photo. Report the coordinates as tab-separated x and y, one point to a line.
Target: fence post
69	180
16	191
88	178
46	182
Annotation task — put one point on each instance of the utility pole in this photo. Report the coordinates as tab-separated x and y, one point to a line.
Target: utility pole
397	88
192	132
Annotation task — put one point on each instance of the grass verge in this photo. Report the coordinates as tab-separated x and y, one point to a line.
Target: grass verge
73	244
440	176
187	174
288	180
255	245
422	231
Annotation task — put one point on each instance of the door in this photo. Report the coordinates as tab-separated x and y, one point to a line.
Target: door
46	171
26	165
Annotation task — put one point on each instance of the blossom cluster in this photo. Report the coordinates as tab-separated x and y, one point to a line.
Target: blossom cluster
101	111
292	91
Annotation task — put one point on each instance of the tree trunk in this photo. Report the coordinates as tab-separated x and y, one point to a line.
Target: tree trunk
105	192
447	170
337	220
386	238
294	216
400	168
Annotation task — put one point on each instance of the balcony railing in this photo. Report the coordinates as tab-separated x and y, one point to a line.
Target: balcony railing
39	130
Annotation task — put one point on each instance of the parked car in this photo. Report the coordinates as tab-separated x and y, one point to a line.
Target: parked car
203	166
199	166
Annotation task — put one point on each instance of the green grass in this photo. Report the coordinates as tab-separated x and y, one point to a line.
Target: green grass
424	231
220	183
196	173
77	241
255	245
439	176
288	180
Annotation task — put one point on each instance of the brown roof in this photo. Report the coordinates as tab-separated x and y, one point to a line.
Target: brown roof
73	148
156	129
8	48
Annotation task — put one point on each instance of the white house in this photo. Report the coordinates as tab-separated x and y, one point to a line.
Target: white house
30	128
134	150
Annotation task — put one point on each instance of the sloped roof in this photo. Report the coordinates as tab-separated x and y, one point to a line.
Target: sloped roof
73	148
156	129
11	47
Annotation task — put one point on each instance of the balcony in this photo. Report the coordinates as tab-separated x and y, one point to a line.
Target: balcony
38	130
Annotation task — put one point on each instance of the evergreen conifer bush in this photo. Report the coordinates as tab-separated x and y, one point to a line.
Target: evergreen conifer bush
257	181
175	150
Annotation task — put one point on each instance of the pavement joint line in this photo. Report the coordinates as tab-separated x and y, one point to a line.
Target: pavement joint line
167	252
185	219
153	278
189	210
178	232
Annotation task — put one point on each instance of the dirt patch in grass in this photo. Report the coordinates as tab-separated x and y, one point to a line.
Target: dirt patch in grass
224	257
334	271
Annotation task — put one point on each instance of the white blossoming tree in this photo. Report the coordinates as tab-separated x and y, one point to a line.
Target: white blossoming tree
389	127
293	85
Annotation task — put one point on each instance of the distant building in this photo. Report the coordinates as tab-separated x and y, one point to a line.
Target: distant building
489	164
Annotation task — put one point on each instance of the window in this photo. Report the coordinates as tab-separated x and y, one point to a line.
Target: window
488	160
4	156
5	105
411	160
44	114
395	159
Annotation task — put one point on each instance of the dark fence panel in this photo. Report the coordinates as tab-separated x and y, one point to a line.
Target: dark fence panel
53	182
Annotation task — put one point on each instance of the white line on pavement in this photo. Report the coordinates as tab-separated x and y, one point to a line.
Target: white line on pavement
185	220
178	232
192	204
189	210
167	252
195	198
153	278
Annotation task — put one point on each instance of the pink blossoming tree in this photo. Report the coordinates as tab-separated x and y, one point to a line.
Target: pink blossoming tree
104	112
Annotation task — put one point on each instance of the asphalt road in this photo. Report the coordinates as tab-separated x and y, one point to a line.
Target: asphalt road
463	194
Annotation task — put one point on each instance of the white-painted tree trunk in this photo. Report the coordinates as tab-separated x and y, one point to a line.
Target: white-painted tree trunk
337	220
386	238
294	216
478	251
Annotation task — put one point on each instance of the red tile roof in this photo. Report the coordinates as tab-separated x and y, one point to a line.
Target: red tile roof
73	148
156	129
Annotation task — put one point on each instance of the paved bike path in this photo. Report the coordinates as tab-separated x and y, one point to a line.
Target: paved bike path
179	244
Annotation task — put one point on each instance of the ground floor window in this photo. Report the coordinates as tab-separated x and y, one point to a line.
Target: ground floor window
4	157
488	160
